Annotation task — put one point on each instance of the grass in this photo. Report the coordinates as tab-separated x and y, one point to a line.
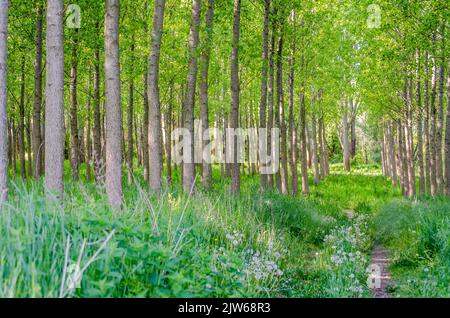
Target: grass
212	244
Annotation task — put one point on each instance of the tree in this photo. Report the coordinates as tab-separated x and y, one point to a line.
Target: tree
75	153
189	167
203	95
154	121
113	105
234	84
54	98
264	67
37	106
3	100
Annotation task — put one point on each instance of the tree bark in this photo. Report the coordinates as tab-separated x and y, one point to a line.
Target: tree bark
345	142
21	126
4	4
433	185
75	150
37	105
314	147
303	146
189	167
447	139
97	154
113	106
420	128
54	98
264	70
426	127
234	85
130	118
271	107
88	132
292	139
440	121
30	160
203	94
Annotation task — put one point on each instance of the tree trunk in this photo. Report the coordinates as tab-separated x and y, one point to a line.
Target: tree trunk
346	150
264	70
426	127
97	154
392	157
130	118
440	123
113	106
29	161
409	140
37	106
169	119
145	153
21	127
433	187
283	130
88	132
4	4
203	94
303	146
447	139
189	167
292	139
75	150
234	85
54	98
314	147
271	108
420	128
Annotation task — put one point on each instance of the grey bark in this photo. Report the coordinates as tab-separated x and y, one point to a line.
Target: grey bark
54	98
3	100
189	167
113	106
264	69
37	105
154	113
234	85
203	94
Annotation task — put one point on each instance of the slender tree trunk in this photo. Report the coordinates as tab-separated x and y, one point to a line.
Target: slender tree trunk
54	98
303	146
169	119
271	108
447	138
346	150
292	140
13	148
353	137
426	127
203	95
408	139
21	127
29	159
189	167
234	85
154	119
433	187
88	132
392	157
323	171
130	118
420	128
145	153
37	106
97	155
314	147
75	150
4	4
283	174
440	121
113	105
264	70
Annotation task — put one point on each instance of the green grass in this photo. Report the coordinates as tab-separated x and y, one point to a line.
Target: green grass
417	234
212	244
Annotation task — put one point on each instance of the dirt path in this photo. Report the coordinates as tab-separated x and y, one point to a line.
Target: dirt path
380	276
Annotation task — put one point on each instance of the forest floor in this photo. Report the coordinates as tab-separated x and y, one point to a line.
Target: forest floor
215	244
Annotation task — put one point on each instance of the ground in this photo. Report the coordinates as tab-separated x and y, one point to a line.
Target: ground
215	244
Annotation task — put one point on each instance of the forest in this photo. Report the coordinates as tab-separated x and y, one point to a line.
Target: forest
224	148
